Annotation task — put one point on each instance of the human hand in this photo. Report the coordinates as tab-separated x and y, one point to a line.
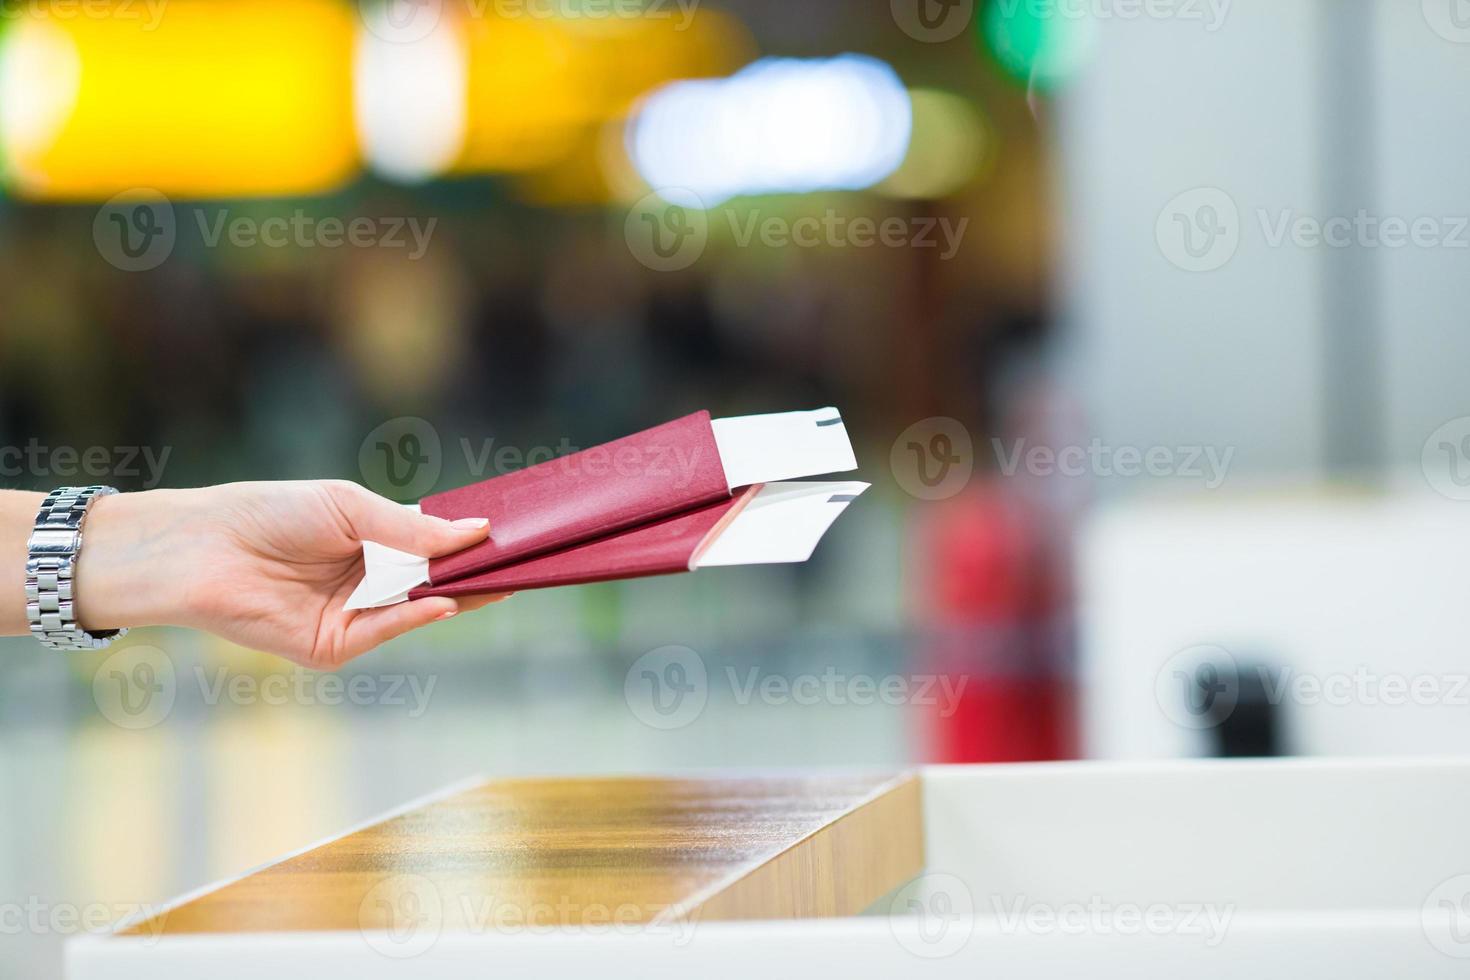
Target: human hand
266	565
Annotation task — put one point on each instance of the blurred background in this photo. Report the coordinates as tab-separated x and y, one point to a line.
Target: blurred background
1146	317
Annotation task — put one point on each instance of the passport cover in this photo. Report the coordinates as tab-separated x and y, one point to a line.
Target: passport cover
668	469
663	547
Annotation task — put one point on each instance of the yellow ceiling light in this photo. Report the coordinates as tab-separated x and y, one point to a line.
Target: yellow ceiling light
196	98
520	88
526	94
642	53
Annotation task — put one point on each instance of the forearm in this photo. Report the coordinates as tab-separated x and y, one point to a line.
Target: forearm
129	571
17	515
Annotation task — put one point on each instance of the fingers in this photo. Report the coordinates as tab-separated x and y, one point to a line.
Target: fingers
374	518
374	627
470	603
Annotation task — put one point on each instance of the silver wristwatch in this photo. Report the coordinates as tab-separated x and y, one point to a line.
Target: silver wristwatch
51	562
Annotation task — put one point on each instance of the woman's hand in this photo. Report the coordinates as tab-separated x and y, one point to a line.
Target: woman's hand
267	565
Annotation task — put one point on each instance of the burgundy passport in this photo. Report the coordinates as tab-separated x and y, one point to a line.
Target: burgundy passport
664	547
663	471
655	502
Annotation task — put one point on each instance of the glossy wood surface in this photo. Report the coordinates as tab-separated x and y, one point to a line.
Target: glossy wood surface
521	853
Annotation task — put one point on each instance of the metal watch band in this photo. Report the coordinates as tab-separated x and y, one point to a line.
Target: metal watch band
51	558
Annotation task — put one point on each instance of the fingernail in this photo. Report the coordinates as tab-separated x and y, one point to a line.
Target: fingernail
469	523
446	615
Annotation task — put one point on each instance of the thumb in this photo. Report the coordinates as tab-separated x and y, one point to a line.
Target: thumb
374	518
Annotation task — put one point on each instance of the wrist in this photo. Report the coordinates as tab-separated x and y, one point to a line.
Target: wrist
132	569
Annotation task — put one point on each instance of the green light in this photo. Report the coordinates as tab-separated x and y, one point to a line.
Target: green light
1038	42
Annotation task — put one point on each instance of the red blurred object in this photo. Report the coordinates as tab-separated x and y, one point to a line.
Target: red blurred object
995	620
